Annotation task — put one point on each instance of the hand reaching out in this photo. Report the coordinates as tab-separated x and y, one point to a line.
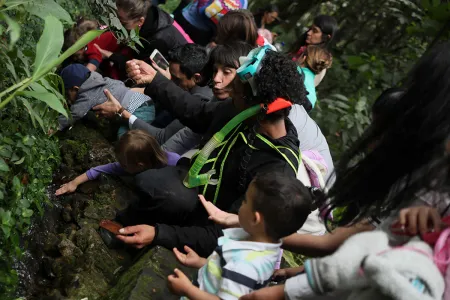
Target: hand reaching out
419	219
140	72
191	259
179	283
219	216
67	188
166	72
104	53
142	235
109	108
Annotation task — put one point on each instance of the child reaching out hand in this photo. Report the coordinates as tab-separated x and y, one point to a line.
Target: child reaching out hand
136	151
275	206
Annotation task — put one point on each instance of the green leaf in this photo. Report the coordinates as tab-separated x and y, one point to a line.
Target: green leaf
48	98
1	195
45	8
34	115
49	45
26	213
13	29
3	166
19	161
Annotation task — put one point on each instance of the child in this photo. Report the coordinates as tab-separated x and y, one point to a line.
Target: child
275	206
314	60
91	55
136	151
85	89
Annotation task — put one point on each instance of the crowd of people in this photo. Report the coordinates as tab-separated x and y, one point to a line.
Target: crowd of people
230	168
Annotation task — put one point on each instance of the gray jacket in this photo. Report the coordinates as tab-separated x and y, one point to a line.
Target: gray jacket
91	94
176	137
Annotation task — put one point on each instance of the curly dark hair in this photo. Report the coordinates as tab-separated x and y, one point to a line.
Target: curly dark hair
278	78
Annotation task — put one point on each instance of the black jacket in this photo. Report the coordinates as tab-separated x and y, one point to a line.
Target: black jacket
207	118
157	32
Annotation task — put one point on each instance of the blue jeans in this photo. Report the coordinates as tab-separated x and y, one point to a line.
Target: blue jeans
146	112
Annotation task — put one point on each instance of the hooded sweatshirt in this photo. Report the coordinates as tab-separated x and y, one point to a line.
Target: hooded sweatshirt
157	32
207	118
91	94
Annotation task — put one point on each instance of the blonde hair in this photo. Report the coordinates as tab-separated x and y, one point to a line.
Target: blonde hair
317	59
138	147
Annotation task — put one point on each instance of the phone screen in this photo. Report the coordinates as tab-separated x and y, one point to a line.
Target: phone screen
160	60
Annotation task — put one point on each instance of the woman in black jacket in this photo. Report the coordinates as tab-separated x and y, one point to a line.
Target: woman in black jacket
262	143
156	30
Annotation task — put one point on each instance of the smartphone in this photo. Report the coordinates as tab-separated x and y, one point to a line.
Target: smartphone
159	59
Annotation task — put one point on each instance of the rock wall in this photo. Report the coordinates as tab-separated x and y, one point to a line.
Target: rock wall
67	258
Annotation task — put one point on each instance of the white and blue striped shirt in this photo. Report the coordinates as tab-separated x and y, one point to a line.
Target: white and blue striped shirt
238	267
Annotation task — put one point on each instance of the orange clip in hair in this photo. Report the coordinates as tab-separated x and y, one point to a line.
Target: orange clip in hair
277	105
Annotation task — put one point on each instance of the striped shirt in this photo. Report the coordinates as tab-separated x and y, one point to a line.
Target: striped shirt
237	267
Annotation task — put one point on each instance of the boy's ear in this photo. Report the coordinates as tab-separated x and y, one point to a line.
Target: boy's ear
197	78
76	88
257	218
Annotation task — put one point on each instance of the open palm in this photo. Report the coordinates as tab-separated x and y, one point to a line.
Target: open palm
219	216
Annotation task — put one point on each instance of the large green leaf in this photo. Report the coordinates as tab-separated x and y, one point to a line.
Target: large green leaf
48	98
45	8
49	45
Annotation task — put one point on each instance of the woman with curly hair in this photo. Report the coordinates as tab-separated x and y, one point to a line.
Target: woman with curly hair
258	137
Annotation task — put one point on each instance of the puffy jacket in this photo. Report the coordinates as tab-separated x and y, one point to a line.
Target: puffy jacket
206	118
157	32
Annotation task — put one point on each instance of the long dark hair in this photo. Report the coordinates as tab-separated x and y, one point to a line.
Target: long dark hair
327	24
260	13
410	157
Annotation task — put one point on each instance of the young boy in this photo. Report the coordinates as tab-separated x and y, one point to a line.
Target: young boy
86	89
275	206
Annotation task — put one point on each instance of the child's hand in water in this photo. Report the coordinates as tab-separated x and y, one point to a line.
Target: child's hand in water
67	188
179	283
190	259
419	219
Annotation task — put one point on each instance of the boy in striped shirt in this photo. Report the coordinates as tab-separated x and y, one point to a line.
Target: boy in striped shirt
275	206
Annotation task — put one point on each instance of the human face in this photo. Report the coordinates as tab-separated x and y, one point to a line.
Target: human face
247	217
180	78
223	77
314	35
127	23
72	94
270	17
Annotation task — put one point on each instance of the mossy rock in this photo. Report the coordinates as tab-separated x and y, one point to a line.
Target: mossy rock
147	278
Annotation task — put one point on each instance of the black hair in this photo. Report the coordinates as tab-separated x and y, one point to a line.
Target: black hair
327	24
227	56
411	158
283	201
191	57
278	78
385	103
266	9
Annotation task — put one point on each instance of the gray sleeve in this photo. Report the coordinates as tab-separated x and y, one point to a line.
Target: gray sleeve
161	135
77	110
183	141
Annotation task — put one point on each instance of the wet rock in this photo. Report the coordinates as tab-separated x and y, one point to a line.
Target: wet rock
88	223
47	268
67	213
100	212
51	242
146	279
78	204
88	240
68	248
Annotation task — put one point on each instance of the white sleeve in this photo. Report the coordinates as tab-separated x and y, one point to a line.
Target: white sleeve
297	287
131	121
